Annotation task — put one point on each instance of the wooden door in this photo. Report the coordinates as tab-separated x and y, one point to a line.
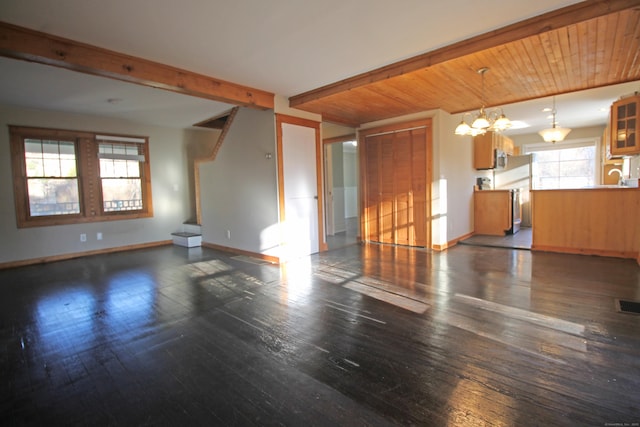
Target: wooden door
403	209
420	186
387	191
372	191
396	179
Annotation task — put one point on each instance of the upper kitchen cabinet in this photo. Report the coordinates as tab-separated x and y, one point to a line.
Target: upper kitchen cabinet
485	146
625	126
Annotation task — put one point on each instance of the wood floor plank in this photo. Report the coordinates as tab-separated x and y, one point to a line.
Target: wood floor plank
361	335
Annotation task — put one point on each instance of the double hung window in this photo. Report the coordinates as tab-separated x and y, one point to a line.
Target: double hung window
51	177
65	177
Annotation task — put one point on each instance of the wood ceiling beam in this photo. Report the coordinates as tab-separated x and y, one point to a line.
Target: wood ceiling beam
559	18
34	46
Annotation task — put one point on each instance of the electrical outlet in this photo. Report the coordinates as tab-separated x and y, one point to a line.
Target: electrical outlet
229	234
83	237
99	235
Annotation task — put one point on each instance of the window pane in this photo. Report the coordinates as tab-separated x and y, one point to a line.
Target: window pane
132	150
33	147
133	169
547	156
50	149
50	158
35	167
572	167
121	194
68	168
106	168
67	149
52	167
548	169
53	196
119	149
576	153
120	168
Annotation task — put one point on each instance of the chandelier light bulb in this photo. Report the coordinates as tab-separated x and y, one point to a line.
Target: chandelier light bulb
485	120
554	133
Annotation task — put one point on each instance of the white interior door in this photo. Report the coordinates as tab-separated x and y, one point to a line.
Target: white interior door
300	190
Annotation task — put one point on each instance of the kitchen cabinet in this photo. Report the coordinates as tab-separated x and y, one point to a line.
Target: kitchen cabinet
493	212
484	147
598	221
625	126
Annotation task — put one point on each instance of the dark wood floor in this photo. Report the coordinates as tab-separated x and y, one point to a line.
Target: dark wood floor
363	335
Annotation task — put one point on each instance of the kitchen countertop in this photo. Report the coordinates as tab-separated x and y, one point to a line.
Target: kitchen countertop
595	187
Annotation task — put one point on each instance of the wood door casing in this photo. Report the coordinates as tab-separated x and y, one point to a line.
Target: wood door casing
396	176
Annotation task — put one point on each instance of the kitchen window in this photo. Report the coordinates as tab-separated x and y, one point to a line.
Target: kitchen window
567	165
67	177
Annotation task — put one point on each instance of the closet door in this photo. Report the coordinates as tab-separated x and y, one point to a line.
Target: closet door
420	170
402	172
386	210
396	187
372	191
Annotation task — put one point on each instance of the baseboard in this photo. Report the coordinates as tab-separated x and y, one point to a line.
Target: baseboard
578	251
451	243
268	258
62	257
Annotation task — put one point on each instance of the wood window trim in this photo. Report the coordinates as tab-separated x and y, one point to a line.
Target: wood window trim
91	207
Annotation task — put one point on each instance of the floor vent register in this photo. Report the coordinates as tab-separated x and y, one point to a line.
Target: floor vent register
624	306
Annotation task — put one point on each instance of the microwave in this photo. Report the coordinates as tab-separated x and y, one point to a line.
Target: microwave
500	160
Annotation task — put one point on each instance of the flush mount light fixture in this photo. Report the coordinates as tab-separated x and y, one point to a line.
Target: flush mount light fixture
485	120
554	133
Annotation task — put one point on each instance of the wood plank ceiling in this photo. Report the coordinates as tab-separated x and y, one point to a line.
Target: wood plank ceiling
586	45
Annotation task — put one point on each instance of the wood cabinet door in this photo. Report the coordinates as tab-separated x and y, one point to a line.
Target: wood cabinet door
396	193
625	126
483	151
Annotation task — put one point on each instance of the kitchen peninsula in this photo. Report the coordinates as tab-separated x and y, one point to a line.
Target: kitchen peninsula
594	221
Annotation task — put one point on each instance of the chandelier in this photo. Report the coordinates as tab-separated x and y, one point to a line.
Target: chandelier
554	133
485	120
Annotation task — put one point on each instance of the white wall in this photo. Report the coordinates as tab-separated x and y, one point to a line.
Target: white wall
350	170
456	173
168	182
239	191
338	191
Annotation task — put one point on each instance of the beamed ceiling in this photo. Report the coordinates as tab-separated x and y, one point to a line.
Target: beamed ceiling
586	45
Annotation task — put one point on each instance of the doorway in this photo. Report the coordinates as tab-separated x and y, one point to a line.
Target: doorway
299	187
341	191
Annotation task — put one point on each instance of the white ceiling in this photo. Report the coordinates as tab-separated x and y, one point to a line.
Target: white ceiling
282	46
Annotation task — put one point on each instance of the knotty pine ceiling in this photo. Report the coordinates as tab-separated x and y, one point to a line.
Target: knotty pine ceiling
591	53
